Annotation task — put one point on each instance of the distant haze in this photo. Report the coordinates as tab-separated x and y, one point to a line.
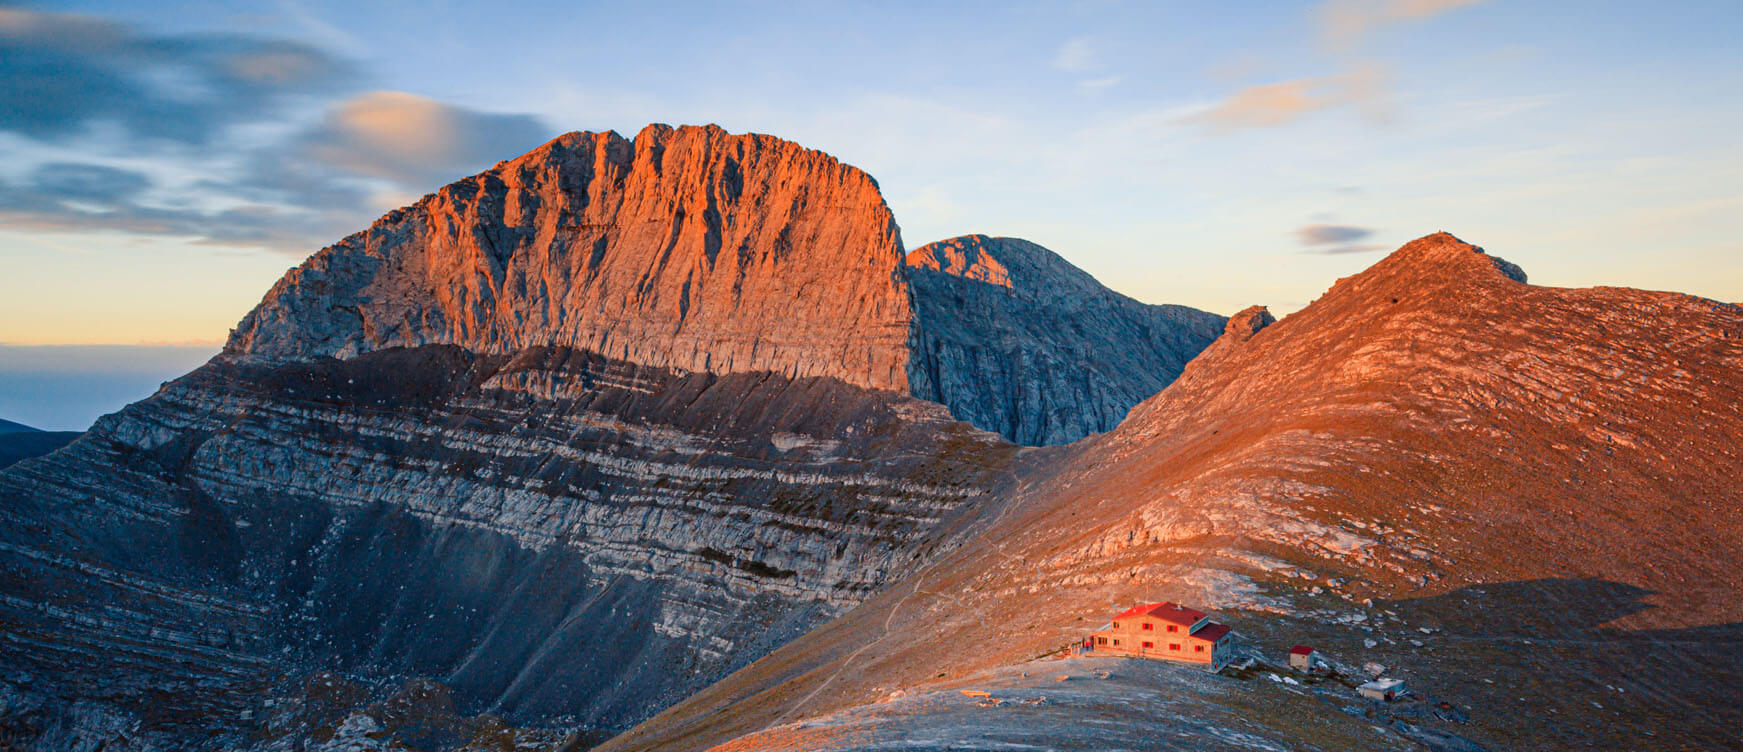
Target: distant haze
66	387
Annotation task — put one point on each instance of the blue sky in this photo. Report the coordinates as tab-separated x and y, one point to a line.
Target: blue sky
1181	152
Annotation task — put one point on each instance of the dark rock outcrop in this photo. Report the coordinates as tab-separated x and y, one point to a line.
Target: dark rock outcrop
21	442
1014	339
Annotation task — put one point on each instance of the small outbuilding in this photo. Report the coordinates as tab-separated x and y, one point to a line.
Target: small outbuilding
1382	689
1301	657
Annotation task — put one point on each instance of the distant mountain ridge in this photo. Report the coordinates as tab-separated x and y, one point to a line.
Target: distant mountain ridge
7	426
21	442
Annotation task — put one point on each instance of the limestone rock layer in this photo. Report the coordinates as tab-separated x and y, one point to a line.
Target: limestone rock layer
686	248
563	540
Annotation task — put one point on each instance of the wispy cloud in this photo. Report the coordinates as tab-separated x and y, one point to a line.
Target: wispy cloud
1335	239
1363	84
1328	234
62	75
1344	23
147	110
1076	55
1093	85
1282	102
414	141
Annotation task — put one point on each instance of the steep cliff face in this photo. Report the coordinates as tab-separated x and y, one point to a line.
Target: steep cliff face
1485	486
1015	340
703	251
686	248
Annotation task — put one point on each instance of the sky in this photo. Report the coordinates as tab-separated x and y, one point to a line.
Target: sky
163	163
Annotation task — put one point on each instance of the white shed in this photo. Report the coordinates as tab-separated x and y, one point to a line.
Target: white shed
1382	689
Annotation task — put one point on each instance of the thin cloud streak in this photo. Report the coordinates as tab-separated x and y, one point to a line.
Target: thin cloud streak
1362	86
1346	249
1335	240
1329	234
1076	55
1345	23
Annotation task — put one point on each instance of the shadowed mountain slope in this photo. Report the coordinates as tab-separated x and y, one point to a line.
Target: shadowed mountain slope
1014	339
21	442
1434	466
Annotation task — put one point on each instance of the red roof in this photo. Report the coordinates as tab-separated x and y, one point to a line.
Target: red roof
1166	611
1211	632
1301	650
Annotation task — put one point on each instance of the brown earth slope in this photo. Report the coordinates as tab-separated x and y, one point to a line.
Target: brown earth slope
1520	499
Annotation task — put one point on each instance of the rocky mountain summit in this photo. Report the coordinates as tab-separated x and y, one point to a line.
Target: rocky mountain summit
703	251
686	248
1517	498
1014	339
554	447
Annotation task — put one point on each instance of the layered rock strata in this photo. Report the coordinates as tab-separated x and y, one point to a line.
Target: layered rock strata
560	538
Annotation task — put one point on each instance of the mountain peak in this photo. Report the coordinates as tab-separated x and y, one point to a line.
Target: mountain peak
967	256
1242	326
688	247
1013	338
1443	253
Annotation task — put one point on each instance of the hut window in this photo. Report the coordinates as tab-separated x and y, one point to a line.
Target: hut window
1173	646
1173	628
1101	640
1199	648
1116	642
1148	626
1149	644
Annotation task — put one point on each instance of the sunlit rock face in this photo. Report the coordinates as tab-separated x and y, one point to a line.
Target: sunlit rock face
699	250
686	248
1014	339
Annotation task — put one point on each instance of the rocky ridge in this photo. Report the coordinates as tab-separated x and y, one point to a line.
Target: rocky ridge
1014	339
21	442
1515	496
698	250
